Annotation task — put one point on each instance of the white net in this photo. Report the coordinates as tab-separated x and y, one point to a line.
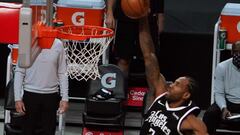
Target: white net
83	57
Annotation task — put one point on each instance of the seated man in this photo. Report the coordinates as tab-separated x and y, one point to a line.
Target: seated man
226	90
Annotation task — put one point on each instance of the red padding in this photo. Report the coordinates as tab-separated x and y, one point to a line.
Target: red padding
9	19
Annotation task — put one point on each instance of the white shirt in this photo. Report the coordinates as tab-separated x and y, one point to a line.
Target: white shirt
46	74
226	83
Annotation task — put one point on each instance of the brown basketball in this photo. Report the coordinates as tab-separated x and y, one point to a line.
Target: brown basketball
135	9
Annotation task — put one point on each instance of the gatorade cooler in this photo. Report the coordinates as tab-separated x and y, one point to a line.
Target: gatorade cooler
230	20
9	16
81	12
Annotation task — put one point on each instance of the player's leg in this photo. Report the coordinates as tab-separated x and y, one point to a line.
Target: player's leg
50	103
212	118
152	20
126	35
31	118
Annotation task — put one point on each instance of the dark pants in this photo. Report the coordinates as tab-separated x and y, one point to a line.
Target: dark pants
40	118
213	116
127	38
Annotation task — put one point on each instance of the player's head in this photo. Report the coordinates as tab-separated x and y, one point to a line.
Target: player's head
182	89
236	54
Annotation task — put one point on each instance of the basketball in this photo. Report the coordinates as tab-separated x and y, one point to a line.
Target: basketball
135	9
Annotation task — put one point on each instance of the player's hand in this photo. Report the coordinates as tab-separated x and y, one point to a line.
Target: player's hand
110	21
63	106
20	107
225	113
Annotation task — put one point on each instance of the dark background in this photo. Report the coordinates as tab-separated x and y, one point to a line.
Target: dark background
4	51
186	46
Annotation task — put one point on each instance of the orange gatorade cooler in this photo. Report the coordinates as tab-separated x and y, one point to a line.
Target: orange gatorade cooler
81	12
230	20
9	18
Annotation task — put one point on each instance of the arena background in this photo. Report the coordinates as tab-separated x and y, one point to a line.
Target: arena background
186	46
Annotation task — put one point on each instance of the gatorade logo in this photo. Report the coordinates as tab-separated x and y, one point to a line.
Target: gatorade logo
238	27
109	80
78	18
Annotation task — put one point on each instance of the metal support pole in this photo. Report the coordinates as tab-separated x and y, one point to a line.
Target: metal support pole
49	16
8	78
215	58
61	124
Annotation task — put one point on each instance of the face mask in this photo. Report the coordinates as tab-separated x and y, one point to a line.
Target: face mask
236	60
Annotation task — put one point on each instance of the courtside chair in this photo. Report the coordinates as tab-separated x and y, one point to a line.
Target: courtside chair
108	113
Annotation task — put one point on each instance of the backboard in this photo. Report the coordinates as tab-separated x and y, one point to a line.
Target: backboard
32	14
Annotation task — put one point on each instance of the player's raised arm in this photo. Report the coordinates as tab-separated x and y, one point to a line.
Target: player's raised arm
155	79
110	20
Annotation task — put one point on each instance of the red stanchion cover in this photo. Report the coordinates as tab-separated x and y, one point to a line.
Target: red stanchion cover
9	19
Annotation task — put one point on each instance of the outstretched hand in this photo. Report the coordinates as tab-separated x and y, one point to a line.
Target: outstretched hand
20	107
63	106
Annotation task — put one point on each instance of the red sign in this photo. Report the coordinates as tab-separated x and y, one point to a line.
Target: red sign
87	131
136	95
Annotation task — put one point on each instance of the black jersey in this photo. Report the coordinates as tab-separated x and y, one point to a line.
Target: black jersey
163	120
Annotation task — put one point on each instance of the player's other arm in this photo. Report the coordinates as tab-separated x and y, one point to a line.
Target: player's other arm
155	79
194	124
110	21
18	89
63	79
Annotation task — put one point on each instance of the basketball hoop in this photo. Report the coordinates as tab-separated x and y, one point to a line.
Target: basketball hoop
84	46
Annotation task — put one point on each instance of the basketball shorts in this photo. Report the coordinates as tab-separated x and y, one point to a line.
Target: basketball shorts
126	39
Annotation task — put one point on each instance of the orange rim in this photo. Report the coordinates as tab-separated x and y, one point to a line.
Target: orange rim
72	32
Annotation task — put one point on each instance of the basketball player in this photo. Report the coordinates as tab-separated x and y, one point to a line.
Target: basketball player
126	39
172	112
40	84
